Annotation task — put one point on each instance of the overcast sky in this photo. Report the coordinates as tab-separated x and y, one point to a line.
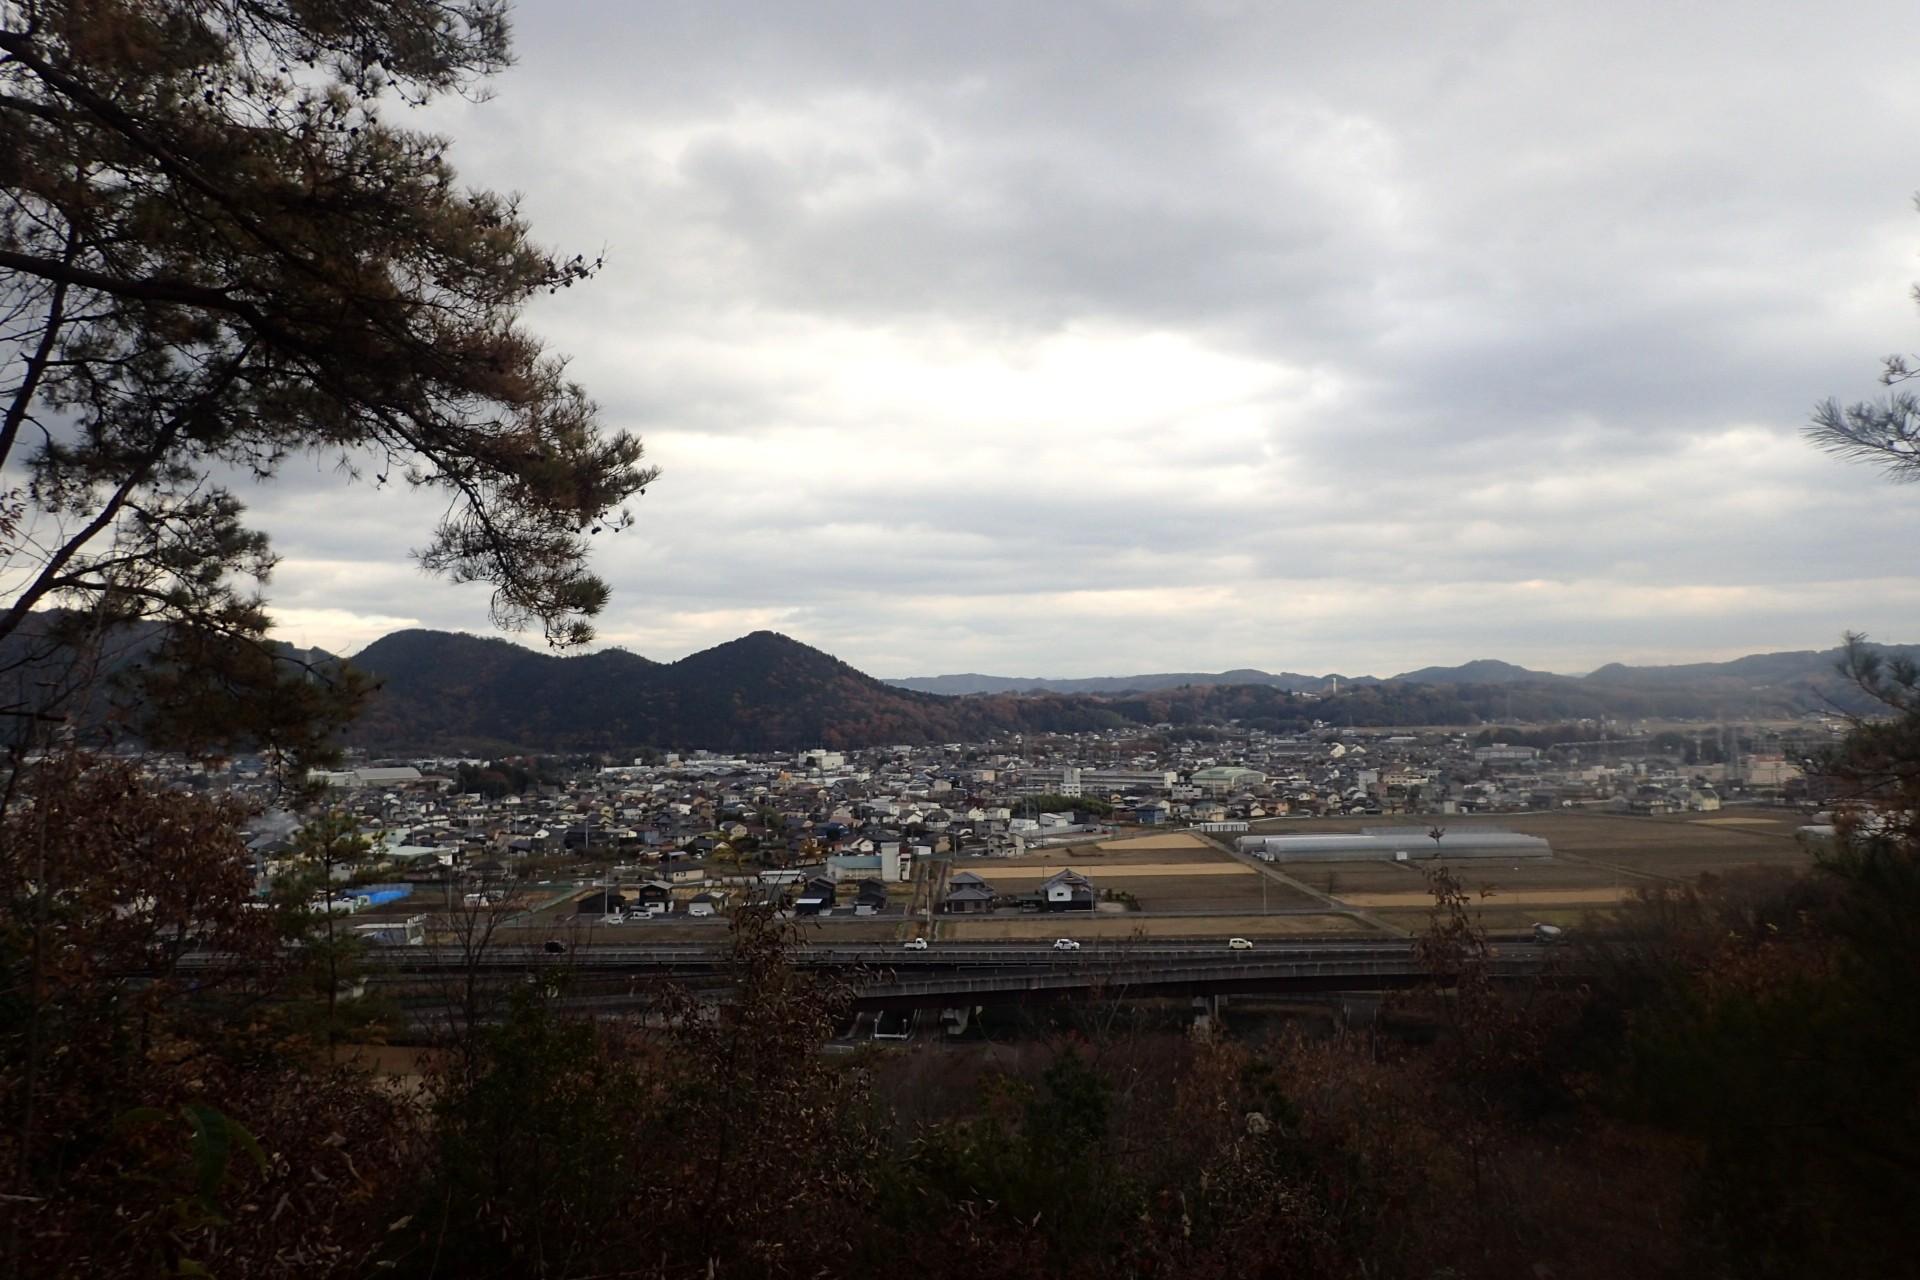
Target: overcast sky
1075	339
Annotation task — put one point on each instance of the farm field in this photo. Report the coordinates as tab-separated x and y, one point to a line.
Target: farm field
1170	872
1187	886
1167	847
1205	893
1495	918
1519	898
1082	927
1680	847
1005	869
1158	841
1351	881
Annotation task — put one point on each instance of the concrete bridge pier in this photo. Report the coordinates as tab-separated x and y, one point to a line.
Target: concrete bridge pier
957	1020
1357	1010
1206	1014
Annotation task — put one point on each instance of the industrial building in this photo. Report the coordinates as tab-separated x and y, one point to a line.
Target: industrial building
1225	779
1106	781
1049	782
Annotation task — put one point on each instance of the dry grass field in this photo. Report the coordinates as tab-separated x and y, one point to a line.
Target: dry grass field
1082	927
1158	841
857	929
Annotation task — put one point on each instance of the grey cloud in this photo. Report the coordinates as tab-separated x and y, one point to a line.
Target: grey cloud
1526	268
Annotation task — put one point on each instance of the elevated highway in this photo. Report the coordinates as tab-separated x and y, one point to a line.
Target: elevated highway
682	957
891	976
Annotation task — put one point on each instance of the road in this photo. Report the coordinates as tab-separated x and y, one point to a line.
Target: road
689	957
952	973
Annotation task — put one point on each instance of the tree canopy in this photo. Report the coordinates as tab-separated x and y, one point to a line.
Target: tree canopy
217	252
1884	432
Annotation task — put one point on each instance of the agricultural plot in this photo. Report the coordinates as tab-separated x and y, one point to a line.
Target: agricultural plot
1600	859
1528	897
1172	847
1494	917
1082	927
856	929
1680	847
1014	873
1207	893
1370	876
1535	882
1172	872
1158	842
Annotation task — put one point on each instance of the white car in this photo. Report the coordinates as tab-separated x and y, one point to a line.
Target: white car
1065	944
1239	944
914	944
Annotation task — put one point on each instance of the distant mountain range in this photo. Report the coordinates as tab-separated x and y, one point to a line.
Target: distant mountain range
1479	671
765	691
970	682
1798	668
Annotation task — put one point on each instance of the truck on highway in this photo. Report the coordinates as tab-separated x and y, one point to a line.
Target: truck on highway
408	932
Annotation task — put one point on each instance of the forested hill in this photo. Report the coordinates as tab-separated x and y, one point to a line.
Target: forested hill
763	691
766	691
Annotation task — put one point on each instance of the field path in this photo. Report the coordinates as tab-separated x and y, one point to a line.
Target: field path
1274	873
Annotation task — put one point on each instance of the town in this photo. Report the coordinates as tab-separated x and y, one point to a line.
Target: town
1169	832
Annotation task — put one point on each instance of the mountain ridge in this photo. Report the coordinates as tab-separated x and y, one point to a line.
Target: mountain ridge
965	683
1784	664
765	691
759	691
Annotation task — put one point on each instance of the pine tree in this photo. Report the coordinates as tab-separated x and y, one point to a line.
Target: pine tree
217	252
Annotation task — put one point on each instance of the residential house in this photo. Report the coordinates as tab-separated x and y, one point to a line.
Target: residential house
817	898
656	894
967	894
1066	890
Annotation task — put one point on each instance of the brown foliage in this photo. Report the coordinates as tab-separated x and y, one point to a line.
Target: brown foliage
123	1068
